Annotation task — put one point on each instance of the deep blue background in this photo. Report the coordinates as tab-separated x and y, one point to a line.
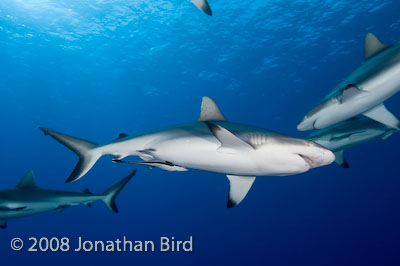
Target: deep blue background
95	69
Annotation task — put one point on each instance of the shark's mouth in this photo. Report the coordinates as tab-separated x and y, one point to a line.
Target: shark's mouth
307	160
314	123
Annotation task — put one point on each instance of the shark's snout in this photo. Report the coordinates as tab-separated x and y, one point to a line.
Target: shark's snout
307	123
317	156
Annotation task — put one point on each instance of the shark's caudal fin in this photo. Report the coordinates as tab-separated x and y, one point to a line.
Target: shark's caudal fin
112	192
203	6
86	151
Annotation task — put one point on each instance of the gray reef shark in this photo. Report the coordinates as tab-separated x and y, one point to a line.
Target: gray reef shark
212	144
28	199
203	6
349	133
363	91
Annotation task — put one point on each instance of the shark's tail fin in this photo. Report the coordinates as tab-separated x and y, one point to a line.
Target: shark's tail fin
112	192
86	150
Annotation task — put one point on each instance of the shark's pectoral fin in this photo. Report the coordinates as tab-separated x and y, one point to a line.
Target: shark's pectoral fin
382	115
372	46
350	92
210	111
341	160
239	186
229	142
3	224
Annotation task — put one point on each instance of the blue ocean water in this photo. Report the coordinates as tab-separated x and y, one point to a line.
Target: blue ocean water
94	69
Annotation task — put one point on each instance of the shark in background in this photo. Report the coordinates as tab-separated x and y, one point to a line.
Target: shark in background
28	199
350	133
364	91
239	151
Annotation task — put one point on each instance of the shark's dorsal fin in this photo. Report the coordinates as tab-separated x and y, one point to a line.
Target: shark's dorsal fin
210	111
239	186
372	46
27	181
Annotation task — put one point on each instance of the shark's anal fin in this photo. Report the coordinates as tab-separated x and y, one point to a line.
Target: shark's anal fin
239	186
3	224
229	142
382	115
372	46
341	160
27	181
210	111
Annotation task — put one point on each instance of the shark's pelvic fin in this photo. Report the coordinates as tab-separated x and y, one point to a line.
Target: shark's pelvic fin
86	151
372	46
203	6
239	186
229	142
3	224
341	160
381	114
27	181
210	111
110	194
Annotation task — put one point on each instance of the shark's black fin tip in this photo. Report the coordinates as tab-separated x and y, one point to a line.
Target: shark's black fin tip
345	165
44	130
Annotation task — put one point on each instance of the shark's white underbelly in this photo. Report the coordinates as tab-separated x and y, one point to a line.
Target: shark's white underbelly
203	154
